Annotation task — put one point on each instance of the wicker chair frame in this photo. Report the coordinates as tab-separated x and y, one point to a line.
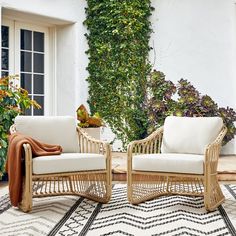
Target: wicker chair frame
95	185
144	185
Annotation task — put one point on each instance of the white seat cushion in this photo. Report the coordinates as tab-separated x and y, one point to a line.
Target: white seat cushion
68	162
59	130
169	162
189	134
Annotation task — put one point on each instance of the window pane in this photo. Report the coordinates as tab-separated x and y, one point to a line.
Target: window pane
5	73
5	61
38	63
26	82
40	101
5	36
26	39
38	84
28	112
38	41
26	61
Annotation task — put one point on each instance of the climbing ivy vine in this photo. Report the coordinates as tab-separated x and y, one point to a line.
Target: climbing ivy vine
118	38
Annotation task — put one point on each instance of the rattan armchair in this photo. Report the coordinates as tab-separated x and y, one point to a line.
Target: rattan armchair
148	174
90	179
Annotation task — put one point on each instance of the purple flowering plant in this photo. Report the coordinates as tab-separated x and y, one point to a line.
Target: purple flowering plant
164	98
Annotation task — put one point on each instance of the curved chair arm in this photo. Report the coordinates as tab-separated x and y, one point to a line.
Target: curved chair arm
212	152
149	145
89	144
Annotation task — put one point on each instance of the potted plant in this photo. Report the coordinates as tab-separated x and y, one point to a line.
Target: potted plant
91	124
13	101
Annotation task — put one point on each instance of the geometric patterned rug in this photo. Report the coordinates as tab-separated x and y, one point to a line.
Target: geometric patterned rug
167	215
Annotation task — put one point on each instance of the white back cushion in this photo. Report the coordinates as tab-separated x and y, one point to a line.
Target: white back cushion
59	130
189	134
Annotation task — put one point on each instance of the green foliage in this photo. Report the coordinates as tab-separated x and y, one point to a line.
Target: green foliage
13	101
118	39
160	103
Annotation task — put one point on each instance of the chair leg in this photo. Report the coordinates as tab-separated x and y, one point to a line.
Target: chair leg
26	202
213	196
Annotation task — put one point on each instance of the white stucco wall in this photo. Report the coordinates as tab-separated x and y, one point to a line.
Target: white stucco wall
195	40
69	10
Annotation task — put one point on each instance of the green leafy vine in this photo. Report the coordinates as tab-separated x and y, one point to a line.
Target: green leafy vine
118	39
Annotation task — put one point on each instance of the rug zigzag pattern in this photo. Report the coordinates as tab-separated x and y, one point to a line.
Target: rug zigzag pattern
47	212
178	211
166	215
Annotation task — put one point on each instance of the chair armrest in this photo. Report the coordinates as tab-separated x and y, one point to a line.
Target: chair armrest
149	145
89	144
212	152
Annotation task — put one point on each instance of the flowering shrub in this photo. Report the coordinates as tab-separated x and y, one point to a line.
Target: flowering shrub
13	101
164	98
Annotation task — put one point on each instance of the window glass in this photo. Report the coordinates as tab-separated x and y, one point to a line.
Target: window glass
26	40
32	67
5	36
5	50
38	63
40	101
26	61
5	59
38	84
26	82
38	42
4	73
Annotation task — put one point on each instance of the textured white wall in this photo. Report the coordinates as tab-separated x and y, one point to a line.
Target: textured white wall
66	70
69	10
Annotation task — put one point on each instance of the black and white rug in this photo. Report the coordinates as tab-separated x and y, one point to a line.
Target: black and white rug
167	215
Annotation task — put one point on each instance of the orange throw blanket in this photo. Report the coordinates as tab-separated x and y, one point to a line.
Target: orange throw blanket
15	157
